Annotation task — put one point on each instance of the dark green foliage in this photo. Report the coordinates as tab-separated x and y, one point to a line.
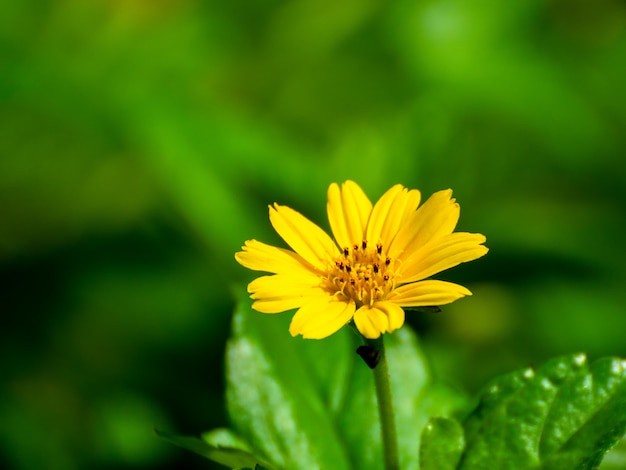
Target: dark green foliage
565	415
228	456
441	445
309	404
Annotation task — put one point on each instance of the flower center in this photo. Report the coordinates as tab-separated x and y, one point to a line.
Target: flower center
363	273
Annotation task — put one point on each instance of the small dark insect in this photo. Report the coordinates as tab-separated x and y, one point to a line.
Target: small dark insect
370	355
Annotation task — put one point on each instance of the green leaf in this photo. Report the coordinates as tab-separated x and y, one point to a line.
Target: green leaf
223	437
615	459
277	400
228	456
441	445
312	404
567	414
415	400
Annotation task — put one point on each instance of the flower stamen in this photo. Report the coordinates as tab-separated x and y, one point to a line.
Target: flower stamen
370	277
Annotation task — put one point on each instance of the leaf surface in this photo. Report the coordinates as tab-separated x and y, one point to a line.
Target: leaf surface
442	444
312	404
228	456
278	401
567	414
415	400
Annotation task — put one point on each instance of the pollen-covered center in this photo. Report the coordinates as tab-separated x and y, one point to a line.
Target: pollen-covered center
363	273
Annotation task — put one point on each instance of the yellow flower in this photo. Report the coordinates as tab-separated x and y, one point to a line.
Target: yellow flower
382	256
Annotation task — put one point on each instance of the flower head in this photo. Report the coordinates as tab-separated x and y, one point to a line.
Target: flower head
378	263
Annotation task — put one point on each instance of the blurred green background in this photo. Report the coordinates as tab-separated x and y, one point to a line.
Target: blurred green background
141	141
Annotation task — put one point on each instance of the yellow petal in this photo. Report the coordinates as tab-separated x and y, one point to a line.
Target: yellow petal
283	285
321	317
262	257
394	313
425	293
279	305
348	211
371	321
280	292
441	254
435	218
390	212
306	238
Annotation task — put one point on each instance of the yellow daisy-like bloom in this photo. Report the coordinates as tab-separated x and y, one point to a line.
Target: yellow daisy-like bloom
382	256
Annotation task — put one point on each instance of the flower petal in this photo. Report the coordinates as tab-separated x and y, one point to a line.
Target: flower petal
394	313
259	256
371	321
441	254
435	218
306	238
279	305
321	317
390	212
348	211
426	293
281	292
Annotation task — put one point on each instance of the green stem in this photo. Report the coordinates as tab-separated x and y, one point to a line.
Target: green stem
385	405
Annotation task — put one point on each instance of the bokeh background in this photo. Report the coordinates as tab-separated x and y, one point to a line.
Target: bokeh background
141	141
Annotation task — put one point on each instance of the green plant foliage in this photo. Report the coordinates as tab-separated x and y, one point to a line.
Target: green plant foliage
231	457
312	404
616	458
441	445
565	415
273	399
141	142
